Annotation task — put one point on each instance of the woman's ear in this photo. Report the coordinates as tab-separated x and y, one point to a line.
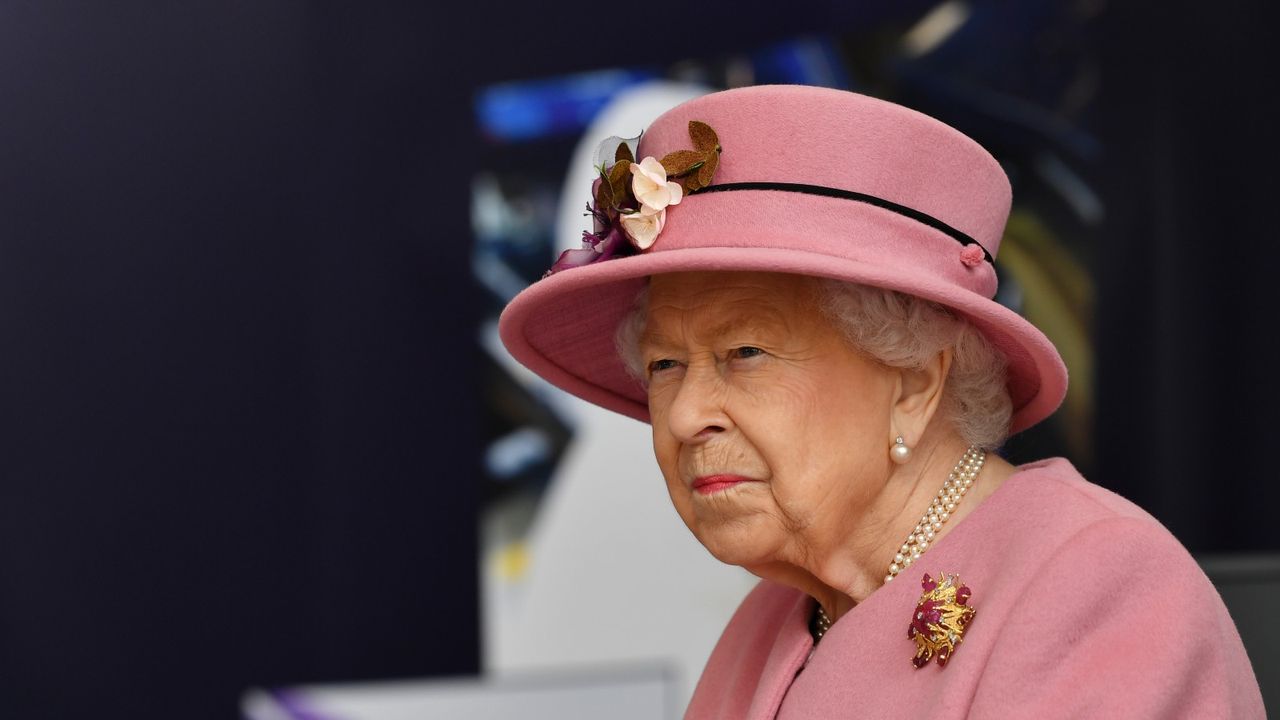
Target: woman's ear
919	393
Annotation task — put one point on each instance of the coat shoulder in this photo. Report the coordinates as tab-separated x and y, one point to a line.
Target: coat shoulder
1097	593
1048	509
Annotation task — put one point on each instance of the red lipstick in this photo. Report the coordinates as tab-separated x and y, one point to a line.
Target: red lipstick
708	484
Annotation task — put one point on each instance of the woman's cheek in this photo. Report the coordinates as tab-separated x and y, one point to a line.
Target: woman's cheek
780	394
661	390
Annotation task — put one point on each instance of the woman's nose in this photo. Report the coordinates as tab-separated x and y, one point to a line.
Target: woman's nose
697	412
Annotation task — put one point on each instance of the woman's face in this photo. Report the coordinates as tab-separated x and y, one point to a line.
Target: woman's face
771	431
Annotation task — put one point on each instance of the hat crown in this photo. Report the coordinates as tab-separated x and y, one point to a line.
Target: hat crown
845	141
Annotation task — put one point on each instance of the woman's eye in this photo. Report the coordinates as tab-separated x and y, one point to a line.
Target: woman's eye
746	351
660	365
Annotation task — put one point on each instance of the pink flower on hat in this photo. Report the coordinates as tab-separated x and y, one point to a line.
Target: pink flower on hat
650	185
630	215
643	227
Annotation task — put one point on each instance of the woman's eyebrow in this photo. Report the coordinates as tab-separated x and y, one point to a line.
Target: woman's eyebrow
656	340
766	319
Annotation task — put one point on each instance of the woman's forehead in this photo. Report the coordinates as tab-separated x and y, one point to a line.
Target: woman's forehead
714	304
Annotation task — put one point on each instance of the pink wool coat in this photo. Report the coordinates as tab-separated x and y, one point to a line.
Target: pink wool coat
1086	608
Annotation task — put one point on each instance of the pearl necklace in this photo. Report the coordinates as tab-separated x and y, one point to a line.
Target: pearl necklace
820	625
944	503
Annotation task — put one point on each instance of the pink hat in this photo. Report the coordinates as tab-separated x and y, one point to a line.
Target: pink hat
810	181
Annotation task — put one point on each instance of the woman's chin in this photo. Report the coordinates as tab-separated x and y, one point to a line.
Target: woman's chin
736	545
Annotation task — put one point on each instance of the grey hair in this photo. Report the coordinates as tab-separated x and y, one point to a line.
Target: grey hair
901	331
904	331
627	338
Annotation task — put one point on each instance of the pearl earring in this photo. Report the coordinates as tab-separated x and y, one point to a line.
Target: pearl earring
900	452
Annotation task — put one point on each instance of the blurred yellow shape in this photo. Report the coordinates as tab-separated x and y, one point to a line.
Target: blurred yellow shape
513	561
1058	298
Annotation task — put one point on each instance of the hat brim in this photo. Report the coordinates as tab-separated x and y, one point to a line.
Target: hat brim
563	327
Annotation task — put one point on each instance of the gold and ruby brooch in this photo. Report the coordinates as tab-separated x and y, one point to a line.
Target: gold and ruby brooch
940	620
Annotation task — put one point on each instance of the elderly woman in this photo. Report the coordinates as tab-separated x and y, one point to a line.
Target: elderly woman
794	287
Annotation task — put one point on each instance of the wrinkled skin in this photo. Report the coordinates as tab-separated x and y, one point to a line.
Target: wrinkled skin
747	377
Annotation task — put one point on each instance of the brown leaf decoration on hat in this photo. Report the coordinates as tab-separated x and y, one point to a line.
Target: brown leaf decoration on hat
604	192
704	138
682	162
619	181
708	169
708	148
623	153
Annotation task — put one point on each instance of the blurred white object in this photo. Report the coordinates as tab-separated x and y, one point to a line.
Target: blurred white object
634	694
613	575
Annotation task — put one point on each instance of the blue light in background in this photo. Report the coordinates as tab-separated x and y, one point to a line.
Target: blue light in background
518	111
